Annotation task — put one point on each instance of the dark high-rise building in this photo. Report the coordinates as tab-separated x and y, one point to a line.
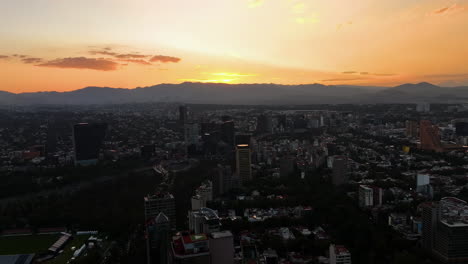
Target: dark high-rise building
340	170
412	128
183	114
429	136
243	162
227	132
157	243
222	180
87	142
160	202
445	230
264	124
461	129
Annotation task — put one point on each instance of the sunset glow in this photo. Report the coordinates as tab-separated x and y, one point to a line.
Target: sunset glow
66	45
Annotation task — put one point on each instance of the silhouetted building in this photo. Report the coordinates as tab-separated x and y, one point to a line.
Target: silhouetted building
264	124
158	239
222	180
445	229
87	142
461	129
287	166
412	128
429	136
243	163
183	114
160	202
340	170
227	132
204	220
222	247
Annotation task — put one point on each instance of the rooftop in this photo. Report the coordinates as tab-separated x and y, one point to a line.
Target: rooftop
454	212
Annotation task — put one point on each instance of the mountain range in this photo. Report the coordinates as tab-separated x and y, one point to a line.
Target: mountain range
246	94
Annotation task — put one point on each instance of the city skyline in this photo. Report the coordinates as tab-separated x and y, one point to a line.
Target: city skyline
64	45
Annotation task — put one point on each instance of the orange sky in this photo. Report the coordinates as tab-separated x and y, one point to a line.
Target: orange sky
60	45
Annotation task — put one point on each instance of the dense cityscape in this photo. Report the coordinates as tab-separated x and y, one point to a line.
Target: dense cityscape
191	183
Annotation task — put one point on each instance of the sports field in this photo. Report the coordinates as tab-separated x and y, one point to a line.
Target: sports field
26	244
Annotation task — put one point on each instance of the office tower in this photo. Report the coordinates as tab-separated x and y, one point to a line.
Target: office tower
339	170
227	132
87	142
204	220
429	136
160	202
366	196
461	129
412	128
243	163
157	242
423	107
445	229
197	202
370	196
339	255
422	179
191	133
287	166
222	180
183	114
264	124
222	247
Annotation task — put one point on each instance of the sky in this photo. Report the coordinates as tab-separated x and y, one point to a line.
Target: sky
63	45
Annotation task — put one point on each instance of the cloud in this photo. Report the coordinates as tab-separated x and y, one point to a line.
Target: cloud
103	52
383	74
118	55
349	72
31	60
344	79
448	10
131	56
142	62
255	3
164	59
2	57
364	73
81	63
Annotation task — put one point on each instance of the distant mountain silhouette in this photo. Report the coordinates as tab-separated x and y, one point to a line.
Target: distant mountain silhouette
249	94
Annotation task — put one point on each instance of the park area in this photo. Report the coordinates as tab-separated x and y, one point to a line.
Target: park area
36	244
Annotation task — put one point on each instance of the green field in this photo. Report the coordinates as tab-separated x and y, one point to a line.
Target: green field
26	244
38	244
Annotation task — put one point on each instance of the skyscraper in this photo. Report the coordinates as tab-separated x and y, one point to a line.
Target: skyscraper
87	142
411	128
243	163
157	243
160	202
445	230
429	136
227	132
183	114
340	170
